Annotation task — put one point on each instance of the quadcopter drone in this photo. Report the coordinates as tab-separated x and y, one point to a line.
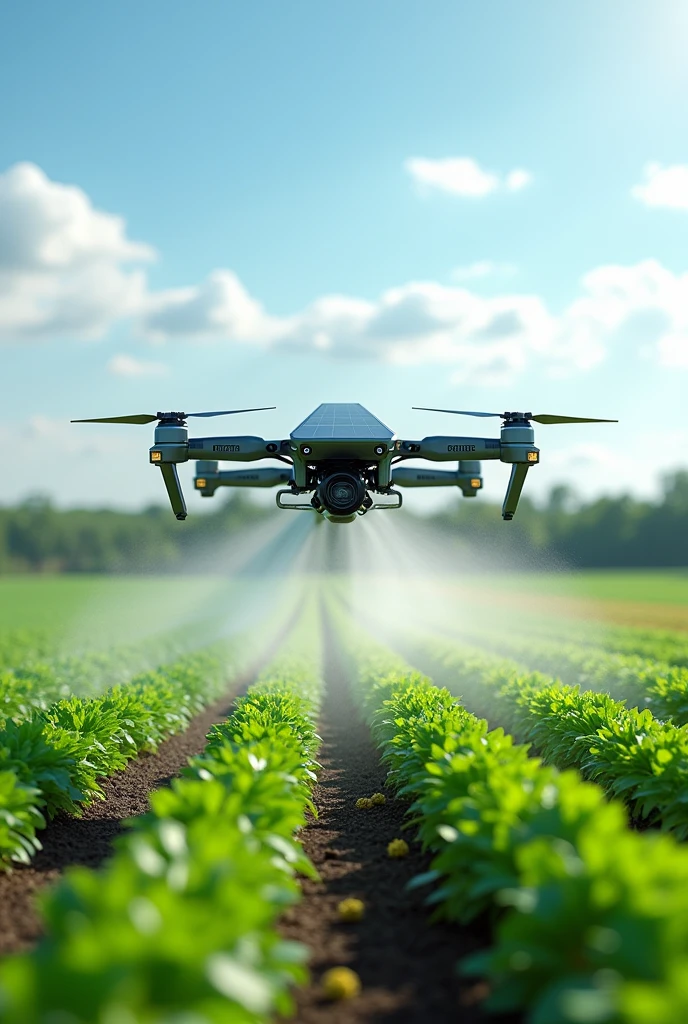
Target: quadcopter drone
341	455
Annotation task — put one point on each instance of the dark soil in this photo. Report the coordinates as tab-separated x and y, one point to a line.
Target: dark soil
406	965
88	840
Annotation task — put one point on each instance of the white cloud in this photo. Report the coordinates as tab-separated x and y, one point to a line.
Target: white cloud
463	176
63	270
487	339
663	186
61	260
493	339
126	366
219	308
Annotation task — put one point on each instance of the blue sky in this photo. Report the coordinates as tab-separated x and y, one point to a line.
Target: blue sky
468	204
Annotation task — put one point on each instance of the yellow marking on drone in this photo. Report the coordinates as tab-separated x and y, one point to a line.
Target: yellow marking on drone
533	456
156	456
476	483
200	483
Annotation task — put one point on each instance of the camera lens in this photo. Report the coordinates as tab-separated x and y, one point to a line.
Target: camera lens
342	493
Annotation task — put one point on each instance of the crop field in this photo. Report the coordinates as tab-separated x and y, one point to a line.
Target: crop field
344	798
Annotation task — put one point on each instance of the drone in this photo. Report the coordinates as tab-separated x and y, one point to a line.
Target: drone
342	461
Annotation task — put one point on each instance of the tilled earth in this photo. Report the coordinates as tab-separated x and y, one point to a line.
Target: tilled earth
407	966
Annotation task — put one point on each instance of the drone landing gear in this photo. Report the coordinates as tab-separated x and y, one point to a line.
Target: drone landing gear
296	506
174	491
517	479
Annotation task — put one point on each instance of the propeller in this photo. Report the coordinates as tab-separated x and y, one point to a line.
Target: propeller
541	418
148	418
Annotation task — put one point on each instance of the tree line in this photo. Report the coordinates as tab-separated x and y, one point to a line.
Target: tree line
607	532
37	537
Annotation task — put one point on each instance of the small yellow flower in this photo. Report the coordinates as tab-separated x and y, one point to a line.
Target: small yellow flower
364	803
397	848
351	909
377	799
341	983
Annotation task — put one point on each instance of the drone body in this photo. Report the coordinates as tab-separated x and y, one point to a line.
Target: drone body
339	455
341	461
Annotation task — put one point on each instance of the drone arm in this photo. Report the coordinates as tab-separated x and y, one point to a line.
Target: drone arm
519	471
243	448
449	449
408	476
208	479
174	491
467	477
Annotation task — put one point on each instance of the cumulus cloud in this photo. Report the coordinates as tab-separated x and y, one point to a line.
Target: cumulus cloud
126	366
488	339
62	262
663	186
463	176
64	268
493	339
218	308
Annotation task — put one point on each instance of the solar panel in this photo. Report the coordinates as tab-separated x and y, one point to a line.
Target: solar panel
346	421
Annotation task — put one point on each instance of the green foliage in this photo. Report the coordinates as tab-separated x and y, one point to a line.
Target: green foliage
181	925
629	752
591	921
644	683
37	537
19	819
608	531
60	753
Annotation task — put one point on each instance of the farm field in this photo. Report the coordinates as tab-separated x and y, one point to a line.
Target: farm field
635	598
320	832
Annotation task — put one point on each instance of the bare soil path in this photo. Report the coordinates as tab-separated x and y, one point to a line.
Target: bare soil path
406	965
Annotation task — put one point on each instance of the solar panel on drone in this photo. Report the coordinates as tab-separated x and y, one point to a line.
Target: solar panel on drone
345	421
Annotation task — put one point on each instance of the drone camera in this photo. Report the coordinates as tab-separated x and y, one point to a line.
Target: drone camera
341	493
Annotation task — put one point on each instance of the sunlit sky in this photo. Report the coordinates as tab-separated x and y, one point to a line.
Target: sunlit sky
462	204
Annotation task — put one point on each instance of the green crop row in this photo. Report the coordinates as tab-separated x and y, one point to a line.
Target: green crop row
628	752
667	646
591	920
36	669
180	926
57	756
31	679
660	687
